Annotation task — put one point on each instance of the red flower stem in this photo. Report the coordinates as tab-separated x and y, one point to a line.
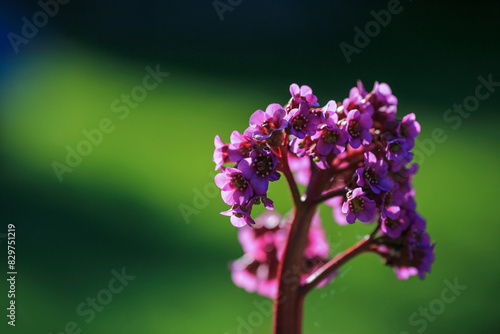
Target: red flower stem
330	194
289	303
285	168
335	263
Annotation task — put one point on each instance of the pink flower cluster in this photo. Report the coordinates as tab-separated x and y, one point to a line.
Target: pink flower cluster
365	152
264	244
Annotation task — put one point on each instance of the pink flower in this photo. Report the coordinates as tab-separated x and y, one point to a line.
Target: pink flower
263	124
358	206
302	121
220	153
236	189
338	215
358	102
263	247
412	252
241	146
239	217
259	168
374	174
358	127
331	139
301	168
409	129
303	93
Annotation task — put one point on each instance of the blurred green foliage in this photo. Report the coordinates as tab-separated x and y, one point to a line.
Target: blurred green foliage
120	208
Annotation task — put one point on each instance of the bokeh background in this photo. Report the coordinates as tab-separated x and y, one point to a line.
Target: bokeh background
121	206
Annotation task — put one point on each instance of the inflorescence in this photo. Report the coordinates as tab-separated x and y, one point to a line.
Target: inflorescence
366	152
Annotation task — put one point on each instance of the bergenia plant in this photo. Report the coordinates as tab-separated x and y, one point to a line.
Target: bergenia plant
354	156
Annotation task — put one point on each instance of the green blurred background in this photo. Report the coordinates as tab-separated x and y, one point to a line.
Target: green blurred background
121	207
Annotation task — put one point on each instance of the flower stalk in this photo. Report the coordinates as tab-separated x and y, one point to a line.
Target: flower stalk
355	157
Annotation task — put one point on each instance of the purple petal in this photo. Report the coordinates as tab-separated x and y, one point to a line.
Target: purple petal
384	89
324	148
259	184
273	108
237	137
353	114
228	197
218	142
375	188
357	192
355	142
361	88
275	176
353	93
245	166
238	221
258	118
222	179
345	207
367	136
234	154
268	204
366	121
294	89
351	218
361	179
384	184
339	148
282	124
305	90
370	158
228	212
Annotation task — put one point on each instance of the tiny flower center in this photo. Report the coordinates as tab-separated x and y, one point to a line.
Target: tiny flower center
354	128
404	130
352	105
245	148
329	136
239	182
267	127
263	165
371	175
299	122
356	205
395	146
391	223
388	199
